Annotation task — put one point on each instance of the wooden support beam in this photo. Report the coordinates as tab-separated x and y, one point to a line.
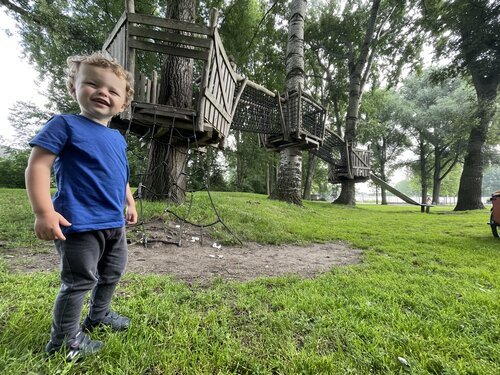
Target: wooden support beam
170	24
170	37
169	50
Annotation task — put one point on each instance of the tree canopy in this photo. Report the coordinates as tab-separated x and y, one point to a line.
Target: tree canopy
352	46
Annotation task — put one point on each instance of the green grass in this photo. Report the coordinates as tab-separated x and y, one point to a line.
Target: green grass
427	290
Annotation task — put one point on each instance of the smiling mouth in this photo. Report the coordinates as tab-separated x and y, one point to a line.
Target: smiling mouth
100	101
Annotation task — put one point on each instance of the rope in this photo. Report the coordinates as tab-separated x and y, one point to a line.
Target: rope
147	170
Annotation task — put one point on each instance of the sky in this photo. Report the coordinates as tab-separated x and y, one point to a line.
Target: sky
18	79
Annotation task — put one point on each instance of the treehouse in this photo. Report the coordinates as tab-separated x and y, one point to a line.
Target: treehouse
222	98
208	120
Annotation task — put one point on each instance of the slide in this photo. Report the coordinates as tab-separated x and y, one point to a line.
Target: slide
394	191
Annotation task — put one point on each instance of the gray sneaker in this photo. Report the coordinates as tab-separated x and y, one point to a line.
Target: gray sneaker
112	319
78	348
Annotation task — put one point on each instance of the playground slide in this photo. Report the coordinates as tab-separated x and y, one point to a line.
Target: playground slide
393	190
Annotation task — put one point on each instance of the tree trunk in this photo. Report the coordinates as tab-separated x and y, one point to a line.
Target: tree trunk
383	159
311	166
165	178
383	191
356	83
423	168
268	178
469	192
347	193
239	162
436	178
288	186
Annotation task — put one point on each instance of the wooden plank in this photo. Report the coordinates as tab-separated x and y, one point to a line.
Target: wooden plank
170	24
231	90
206	112
225	68
118	26
225	86
238	97
154	87
170	37
216	105
141	85
148	91
169	50
218	121
211	112
218	58
123	47
218	40
164	108
216	89
213	116
212	70
203	87
256	86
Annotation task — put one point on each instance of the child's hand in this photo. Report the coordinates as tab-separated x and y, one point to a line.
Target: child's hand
131	215
47	226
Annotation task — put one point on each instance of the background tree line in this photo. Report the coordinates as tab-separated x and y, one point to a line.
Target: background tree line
357	60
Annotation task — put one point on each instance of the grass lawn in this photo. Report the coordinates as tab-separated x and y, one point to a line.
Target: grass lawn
425	299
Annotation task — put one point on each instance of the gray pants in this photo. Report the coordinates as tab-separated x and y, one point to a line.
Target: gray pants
93	261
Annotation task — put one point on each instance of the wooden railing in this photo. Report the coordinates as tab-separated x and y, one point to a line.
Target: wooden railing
214	107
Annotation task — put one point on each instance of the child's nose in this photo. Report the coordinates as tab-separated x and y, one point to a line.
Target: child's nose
101	91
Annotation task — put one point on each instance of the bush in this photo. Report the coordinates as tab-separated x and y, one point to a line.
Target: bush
12	169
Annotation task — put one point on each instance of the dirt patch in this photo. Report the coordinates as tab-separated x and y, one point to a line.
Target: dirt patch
198	259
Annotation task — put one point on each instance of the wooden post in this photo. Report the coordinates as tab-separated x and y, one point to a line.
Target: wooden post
148	91
214	16
154	88
130	7
129	56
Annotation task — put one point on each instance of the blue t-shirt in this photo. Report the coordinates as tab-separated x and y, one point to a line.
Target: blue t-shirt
91	171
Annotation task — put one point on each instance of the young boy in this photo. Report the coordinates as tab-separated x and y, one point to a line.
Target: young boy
85	218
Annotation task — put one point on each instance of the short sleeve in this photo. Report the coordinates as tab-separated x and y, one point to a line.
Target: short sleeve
53	135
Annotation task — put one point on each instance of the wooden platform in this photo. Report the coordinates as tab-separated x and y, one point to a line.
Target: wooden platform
280	142
159	122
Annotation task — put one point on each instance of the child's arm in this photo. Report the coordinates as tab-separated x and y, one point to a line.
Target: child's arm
47	220
131	211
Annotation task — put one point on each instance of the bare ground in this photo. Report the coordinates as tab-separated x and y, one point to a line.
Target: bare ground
199	259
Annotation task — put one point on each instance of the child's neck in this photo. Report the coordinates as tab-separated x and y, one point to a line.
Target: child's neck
103	122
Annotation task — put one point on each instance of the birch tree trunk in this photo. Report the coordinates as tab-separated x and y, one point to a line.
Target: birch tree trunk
289	183
165	178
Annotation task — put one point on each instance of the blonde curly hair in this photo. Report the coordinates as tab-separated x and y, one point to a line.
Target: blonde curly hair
101	59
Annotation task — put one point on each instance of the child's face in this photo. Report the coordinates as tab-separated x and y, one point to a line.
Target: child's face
100	93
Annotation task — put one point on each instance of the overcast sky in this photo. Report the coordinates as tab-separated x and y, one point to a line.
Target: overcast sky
17	78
